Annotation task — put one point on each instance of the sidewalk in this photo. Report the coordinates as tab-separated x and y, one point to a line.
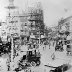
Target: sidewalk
61	57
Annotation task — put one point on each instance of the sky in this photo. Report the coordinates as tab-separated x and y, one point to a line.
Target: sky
54	10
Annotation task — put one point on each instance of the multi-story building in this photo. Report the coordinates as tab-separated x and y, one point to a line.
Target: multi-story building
24	26
36	22
12	20
13	25
65	31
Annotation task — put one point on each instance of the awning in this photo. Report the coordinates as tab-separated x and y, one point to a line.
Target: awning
32	36
42	36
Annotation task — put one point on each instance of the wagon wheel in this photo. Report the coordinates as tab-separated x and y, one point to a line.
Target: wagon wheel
38	62
33	63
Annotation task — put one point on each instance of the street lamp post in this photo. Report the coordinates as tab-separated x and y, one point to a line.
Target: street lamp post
12	53
12	48
39	38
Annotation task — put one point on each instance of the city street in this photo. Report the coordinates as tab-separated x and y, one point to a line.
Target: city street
35	36
46	59
60	57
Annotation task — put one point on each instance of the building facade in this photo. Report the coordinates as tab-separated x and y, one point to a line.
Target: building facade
36	22
24	26
65	31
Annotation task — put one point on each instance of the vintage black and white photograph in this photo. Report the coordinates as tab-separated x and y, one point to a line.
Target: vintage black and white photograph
35	35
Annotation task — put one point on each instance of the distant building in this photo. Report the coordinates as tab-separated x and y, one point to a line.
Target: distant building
3	31
12	20
24	26
65	25
36	21
13	25
65	31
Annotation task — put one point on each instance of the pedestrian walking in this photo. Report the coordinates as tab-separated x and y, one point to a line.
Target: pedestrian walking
43	48
53	56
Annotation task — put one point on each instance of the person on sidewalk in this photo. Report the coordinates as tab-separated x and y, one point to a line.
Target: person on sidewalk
53	56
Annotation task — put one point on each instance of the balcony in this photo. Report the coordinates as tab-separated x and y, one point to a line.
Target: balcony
35	18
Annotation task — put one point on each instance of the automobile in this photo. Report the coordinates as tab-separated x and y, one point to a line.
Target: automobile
56	70
32	58
5	48
59	48
61	68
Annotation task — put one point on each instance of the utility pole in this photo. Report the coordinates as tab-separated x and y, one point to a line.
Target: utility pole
11	7
12	53
39	38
